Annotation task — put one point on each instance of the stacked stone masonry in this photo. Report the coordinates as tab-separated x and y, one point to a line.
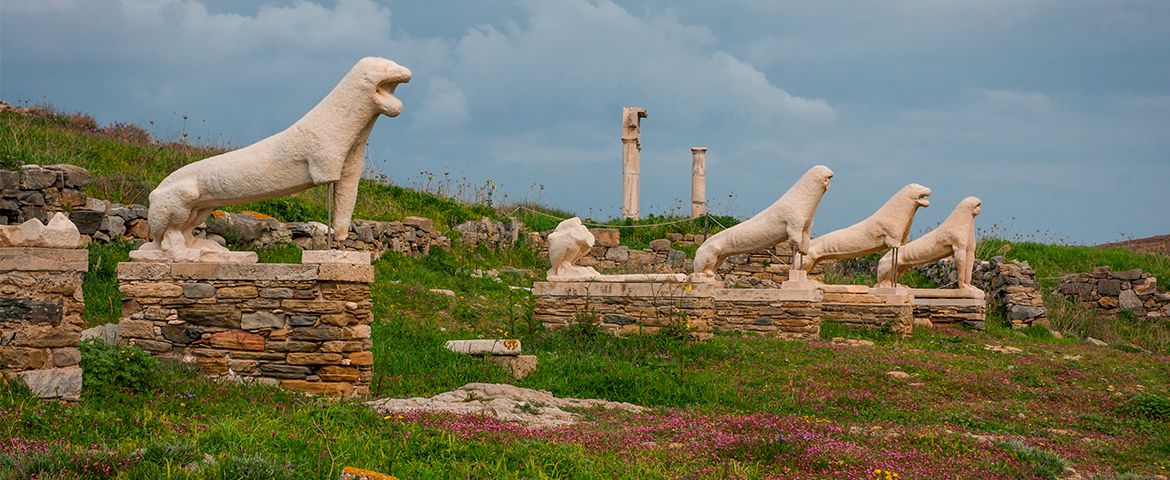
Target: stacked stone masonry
862	306
624	308
1010	287
40	319
1130	291
944	306
35	191
302	327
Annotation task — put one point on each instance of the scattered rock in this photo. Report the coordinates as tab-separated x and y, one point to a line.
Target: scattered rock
1002	349
898	374
443	291
1096	342
1072	357
351	473
535	408
852	342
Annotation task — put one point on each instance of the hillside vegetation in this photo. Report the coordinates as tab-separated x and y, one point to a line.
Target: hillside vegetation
943	403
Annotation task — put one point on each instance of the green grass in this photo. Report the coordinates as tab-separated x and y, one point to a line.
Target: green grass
103	301
1053	261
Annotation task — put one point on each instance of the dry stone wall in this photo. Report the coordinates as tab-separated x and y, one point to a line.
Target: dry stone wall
36	191
1010	286
302	327
1130	291
40	318
624	308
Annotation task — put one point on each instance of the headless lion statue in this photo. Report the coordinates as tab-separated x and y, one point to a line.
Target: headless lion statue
327	145
889	227
566	245
789	219
955	237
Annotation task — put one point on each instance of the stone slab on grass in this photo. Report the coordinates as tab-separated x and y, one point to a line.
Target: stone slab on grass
508	347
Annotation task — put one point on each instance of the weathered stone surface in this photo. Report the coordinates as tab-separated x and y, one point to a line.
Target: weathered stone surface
262	319
318	388
485	346
606	237
138	290
351	473
19	358
361	359
506	402
224	316
45	336
237	340
182	334
28	311
88	221
136	329
198	290
1128	300
313	358
63	383
1109	287
313	306
519	366
319	333
335	373
246	291
276	293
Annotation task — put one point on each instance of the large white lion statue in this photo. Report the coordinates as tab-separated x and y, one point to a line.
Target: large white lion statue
789	219
887	228
327	145
954	237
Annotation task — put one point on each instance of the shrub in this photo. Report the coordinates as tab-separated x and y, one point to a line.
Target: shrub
1149	405
110	368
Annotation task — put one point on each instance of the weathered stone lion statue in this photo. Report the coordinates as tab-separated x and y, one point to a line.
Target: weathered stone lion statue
326	145
887	228
567	244
954	237
789	219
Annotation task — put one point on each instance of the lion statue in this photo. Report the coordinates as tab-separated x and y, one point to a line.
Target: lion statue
327	145
789	219
567	244
887	228
954	237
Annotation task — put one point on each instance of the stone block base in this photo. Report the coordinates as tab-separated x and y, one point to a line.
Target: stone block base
773	312
934	306
302	327
862	306
40	319
625	308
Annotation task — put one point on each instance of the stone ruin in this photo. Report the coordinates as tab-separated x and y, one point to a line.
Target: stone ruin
795	307
41	303
1132	291
304	327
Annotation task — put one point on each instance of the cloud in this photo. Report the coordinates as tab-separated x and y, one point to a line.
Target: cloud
444	106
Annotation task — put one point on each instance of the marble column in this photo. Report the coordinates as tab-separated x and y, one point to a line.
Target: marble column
631	147
698	181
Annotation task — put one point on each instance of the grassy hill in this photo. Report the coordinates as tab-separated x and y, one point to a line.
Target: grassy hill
730	407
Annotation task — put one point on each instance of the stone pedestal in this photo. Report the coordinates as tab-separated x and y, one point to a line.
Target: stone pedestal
40	318
862	306
625	308
304	327
780	313
935	306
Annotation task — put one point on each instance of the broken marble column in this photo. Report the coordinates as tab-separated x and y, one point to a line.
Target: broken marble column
698	181
631	147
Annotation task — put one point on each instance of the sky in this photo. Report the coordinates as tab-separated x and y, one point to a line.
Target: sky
1056	113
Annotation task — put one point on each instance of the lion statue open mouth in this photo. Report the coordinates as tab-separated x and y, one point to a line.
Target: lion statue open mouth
327	145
